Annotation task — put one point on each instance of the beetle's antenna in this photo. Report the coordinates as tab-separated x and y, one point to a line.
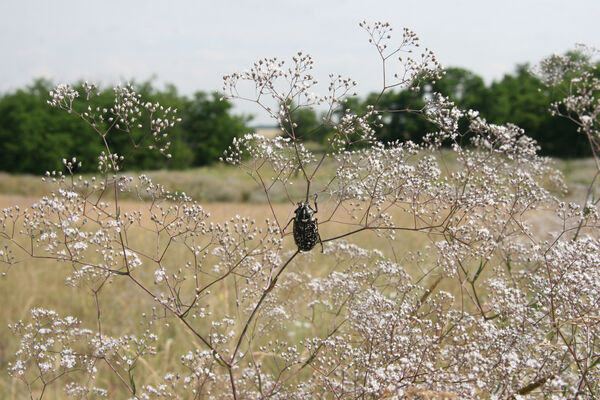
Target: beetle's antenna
316	207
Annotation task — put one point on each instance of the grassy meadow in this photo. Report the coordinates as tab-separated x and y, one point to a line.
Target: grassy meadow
224	191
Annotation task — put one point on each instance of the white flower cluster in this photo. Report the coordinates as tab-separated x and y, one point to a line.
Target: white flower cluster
128	113
272	79
281	154
413	66
50	346
498	298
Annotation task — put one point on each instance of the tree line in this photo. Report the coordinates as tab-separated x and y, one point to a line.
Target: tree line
519	98
36	137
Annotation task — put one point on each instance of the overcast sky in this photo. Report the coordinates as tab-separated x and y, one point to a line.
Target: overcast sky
193	43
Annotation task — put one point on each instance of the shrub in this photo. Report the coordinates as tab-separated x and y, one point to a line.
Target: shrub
496	304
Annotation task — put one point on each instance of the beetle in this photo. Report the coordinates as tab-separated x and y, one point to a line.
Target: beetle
306	227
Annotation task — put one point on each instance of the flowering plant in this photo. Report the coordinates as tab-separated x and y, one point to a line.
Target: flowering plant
499	299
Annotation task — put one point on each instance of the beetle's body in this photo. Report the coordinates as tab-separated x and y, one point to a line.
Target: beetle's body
306	227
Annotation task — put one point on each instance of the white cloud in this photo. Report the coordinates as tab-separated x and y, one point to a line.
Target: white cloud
193	43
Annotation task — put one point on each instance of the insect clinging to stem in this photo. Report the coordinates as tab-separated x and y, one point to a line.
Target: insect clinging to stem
306	226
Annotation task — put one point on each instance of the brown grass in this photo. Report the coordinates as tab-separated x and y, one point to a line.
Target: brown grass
39	283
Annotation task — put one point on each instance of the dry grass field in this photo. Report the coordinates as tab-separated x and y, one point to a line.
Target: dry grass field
41	283
224	192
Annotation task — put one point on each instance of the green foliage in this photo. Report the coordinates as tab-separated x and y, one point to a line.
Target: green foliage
523	100
401	125
518	98
208	127
148	160
35	137
308	124
465	88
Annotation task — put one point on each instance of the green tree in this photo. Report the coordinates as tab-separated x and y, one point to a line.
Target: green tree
308	124
182	154
465	88
400	125
36	137
209	127
523	100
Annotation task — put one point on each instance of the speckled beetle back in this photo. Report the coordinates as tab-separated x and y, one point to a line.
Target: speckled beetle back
306	228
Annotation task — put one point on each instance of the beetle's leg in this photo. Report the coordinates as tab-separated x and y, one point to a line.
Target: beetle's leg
288	224
316	207
320	241
318	234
